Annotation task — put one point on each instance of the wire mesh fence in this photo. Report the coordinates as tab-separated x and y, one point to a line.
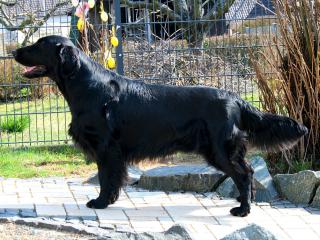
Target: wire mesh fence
185	42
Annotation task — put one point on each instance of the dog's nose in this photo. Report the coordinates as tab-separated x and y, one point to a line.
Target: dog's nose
14	53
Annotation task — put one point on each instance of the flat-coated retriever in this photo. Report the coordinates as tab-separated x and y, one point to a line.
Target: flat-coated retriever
117	121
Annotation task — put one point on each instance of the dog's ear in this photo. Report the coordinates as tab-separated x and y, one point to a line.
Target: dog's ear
69	60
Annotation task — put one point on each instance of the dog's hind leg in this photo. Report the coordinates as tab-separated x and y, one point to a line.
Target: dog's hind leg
112	172
242	179
240	171
229	157
237	148
253	188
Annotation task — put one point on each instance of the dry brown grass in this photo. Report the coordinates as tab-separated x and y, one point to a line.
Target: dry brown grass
168	61
293	88
14	86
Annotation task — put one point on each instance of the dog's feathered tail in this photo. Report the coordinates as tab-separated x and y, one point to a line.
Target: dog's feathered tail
269	131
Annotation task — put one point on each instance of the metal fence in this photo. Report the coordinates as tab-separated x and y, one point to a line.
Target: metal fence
167	42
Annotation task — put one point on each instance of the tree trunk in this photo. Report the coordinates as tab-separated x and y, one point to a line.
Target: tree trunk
94	32
195	35
218	27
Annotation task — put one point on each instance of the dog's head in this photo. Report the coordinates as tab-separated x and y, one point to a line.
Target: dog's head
50	56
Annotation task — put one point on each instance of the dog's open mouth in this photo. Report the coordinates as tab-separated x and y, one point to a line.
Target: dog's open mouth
34	71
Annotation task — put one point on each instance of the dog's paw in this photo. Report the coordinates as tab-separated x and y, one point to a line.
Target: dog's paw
240	211
97	204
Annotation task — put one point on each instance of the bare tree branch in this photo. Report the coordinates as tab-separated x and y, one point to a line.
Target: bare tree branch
30	19
181	7
196	9
8	3
215	12
5	21
184	10
36	27
153	5
208	2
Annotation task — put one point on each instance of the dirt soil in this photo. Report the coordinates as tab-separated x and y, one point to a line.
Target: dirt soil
10	231
176	159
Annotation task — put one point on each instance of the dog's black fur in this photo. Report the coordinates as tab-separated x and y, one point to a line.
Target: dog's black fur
118	121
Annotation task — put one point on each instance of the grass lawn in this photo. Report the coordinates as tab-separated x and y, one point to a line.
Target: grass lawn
43	161
48	121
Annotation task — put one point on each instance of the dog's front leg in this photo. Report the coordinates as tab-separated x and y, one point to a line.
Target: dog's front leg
112	173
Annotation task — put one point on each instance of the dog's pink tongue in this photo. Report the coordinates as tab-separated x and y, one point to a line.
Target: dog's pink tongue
28	69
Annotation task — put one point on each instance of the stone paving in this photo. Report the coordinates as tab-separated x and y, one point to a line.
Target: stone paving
205	215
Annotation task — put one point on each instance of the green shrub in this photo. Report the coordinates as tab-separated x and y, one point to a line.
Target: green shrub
278	165
15	124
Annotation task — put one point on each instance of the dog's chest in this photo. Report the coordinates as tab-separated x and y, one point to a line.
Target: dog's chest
88	133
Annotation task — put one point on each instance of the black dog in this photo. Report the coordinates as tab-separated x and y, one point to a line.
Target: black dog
118	121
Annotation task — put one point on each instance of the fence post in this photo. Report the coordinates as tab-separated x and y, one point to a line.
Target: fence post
119	52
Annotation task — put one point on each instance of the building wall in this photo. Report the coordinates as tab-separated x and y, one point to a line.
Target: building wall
243	9
59	25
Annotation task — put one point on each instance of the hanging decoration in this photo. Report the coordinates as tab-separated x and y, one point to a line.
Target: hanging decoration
81	24
82	9
91	3
103	14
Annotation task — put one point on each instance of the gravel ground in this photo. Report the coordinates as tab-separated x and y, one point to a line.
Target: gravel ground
20	232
